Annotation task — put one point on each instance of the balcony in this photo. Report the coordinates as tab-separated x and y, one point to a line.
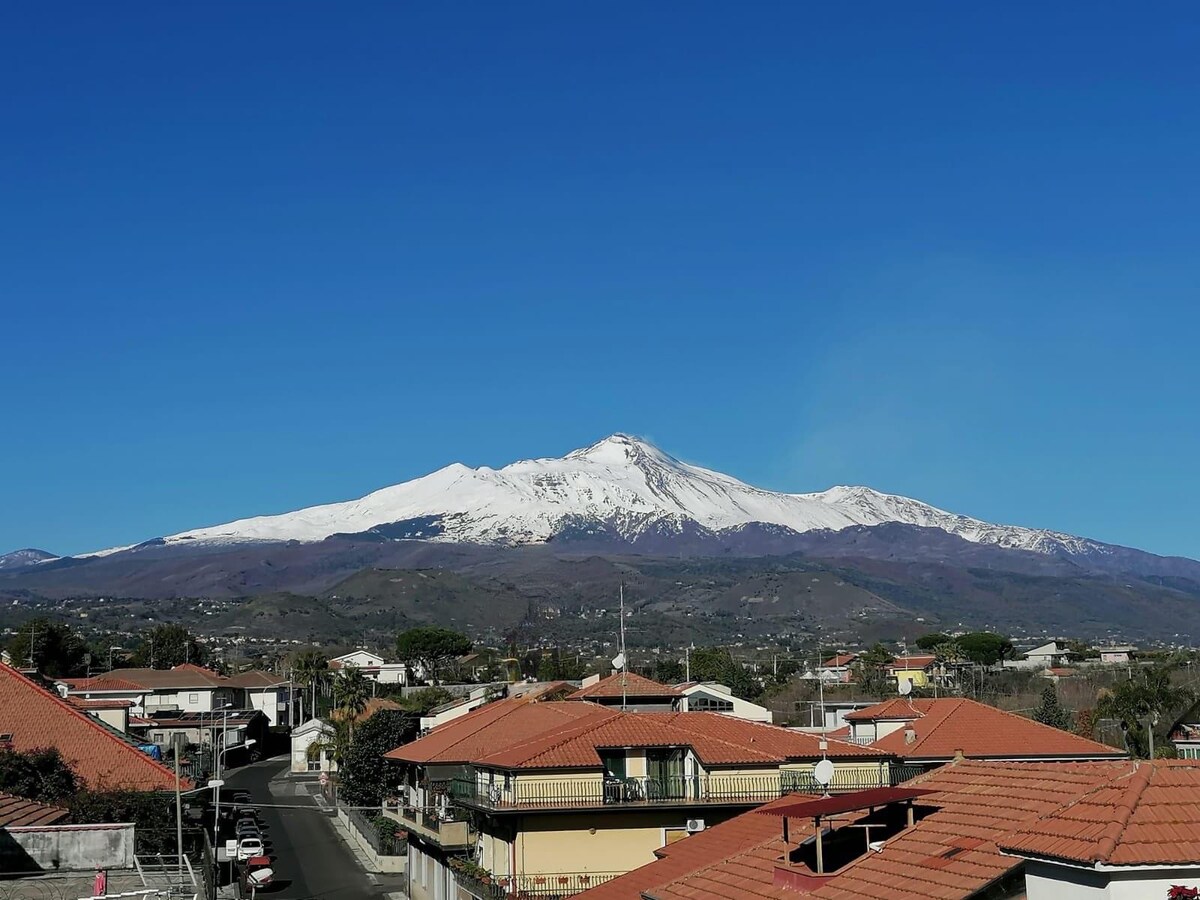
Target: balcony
485	886
445	826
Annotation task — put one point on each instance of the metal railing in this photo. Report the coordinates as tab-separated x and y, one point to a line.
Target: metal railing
713	788
446	824
541	887
383	843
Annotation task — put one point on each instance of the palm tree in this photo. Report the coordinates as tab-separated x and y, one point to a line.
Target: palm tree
350	694
310	668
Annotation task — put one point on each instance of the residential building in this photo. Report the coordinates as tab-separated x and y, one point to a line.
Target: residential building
222	730
837	669
629	691
33	716
829	716
916	669
930	732
1116	655
710	696
1050	655
460	706
113	713
310	751
374	667
550	797
938	836
267	692
1137	835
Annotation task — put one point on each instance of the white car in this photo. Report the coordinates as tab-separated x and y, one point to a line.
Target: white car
249	847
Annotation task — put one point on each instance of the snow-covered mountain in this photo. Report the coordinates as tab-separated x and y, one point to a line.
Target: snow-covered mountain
622	488
18	559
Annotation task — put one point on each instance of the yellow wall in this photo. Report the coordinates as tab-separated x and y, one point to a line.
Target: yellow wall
916	676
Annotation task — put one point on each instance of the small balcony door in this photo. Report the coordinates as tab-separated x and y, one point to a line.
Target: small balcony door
664	771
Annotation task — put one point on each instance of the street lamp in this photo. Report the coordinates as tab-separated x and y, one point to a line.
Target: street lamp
215	784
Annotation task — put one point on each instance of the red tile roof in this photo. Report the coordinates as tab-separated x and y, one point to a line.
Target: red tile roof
1150	815
492	727
182	676
37	717
17	811
81	703
257	679
629	684
842	659
944	727
916	661
716	739
950	853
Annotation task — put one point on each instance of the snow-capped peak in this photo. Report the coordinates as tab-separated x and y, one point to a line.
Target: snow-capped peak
622	484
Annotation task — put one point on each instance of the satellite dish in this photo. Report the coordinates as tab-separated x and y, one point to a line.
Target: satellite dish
823	772
904	687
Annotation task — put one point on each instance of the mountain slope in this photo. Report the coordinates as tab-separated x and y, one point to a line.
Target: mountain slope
621	490
18	559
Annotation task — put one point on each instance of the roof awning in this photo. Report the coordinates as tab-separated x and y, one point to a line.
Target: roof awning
828	806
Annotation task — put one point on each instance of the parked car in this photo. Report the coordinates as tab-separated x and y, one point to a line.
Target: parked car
259	872
249	847
242	797
247	830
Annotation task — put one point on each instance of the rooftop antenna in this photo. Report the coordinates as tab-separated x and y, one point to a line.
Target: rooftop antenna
904	689
624	659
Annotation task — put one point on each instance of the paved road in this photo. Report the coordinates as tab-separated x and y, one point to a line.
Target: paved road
309	859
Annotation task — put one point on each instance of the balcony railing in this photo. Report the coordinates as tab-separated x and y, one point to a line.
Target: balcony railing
446	826
541	887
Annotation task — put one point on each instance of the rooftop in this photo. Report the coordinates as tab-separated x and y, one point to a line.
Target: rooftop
1149	815
950	853
37	717
18	812
627	684
943	728
182	676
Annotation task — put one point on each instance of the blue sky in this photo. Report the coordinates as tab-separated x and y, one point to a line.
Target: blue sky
255	257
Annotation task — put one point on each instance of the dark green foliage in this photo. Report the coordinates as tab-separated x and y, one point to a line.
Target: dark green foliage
870	672
668	671
717	664
984	647
557	666
365	777
1135	702
929	641
1051	712
167	646
41	775
58	652
430	648
153	815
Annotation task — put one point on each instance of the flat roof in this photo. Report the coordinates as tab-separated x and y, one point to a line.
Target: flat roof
828	806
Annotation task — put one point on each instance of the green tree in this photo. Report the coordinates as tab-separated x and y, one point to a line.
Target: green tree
668	671
364	776
933	639
152	813
58	651
430	648
351	691
421	702
41	775
557	666
870	672
167	646
1050	711
717	664
1138	701
310	668
984	647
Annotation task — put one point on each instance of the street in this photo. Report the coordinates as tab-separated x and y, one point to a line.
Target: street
309	859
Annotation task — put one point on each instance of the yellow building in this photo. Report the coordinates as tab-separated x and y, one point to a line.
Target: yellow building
550	798
918	670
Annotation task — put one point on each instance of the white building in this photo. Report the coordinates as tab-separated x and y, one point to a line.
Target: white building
309	753
373	666
709	696
1046	656
1136	837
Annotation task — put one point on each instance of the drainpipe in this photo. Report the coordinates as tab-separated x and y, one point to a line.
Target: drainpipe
820	847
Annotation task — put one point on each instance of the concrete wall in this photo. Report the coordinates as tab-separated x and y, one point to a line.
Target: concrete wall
1046	881
65	848
392	864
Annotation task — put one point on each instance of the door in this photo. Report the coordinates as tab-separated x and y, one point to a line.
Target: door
664	769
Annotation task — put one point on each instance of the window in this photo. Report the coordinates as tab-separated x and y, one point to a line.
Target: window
705	703
314	765
614	763
193	698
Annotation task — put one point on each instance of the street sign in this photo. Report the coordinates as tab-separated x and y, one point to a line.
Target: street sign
324	779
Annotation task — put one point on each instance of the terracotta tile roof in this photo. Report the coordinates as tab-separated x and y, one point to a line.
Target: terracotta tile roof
37	717
183	676
256	678
374	705
693	853
17	811
81	703
492	727
842	659
629	683
944	727
913	661
949	854
717	740
1150	815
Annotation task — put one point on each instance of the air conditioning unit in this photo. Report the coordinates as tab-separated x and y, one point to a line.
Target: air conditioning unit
694	825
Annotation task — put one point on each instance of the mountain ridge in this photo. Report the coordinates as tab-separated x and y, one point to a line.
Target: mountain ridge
622	487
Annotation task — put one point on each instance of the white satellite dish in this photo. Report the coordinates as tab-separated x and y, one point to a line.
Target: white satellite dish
904	687
823	772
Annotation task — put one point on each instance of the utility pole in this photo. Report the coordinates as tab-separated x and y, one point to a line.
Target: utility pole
176	742
32	641
624	659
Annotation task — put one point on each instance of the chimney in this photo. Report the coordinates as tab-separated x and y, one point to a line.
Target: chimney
959	756
910	736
